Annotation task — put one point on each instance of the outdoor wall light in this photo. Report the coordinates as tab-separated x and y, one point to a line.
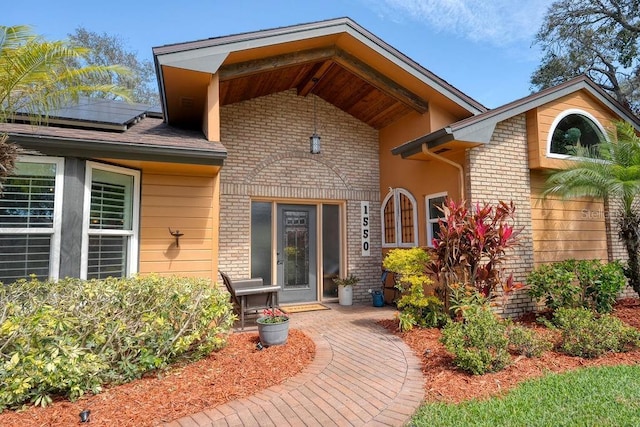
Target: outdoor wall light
177	234
314	139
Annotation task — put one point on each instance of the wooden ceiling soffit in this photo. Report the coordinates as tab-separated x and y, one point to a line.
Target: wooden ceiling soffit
383	83
327	56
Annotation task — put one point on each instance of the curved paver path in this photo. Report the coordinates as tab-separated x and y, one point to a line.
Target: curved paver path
361	376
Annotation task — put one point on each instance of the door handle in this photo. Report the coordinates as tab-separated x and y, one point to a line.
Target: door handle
278	260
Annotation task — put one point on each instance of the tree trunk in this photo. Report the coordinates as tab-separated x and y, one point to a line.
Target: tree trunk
630	235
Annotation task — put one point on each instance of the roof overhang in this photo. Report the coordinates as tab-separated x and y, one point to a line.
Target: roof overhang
479	129
117	150
351	44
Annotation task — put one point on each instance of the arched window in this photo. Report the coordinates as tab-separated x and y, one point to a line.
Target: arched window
399	215
573	128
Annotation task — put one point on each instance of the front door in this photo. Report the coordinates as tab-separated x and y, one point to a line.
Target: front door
296	252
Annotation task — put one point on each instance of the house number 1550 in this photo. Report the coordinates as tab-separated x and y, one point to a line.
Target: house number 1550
364	212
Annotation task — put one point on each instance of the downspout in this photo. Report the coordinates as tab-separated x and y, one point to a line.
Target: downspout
425	151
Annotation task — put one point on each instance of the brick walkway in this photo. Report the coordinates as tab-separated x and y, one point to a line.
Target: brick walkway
361	376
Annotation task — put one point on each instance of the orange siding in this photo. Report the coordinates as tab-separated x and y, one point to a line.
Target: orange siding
180	197
540	121
566	229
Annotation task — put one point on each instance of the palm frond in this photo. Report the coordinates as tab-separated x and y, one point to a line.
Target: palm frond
37	76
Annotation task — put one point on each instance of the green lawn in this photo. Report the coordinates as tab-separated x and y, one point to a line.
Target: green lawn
598	397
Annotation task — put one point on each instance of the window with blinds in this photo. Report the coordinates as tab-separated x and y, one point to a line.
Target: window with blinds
111	231
30	219
399	215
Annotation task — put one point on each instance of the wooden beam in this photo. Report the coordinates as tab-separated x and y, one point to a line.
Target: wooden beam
328	56
381	82
315	78
244	69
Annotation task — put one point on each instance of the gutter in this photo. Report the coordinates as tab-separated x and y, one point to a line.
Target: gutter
426	152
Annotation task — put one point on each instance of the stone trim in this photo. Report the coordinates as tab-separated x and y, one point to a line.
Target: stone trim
298	192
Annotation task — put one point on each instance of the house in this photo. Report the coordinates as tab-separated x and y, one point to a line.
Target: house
295	154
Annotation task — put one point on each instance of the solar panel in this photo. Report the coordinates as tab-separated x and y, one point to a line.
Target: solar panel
100	113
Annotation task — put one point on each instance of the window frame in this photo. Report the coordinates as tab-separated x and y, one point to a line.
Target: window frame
55	230
557	121
395	193
133	234
430	220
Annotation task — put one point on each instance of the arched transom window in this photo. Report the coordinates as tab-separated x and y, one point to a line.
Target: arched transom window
571	129
399	216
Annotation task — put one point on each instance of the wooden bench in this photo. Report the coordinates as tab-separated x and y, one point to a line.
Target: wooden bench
250	295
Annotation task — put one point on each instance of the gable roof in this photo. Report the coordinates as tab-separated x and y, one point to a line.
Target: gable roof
334	50
479	129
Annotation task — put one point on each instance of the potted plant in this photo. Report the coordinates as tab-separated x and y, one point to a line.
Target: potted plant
345	288
273	327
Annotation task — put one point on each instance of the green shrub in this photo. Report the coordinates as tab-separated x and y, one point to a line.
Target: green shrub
601	282
526	342
409	265
585	334
425	311
479	343
555	286
72	336
415	308
573	283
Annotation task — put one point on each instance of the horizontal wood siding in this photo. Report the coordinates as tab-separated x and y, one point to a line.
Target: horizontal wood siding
185	198
181	202
565	229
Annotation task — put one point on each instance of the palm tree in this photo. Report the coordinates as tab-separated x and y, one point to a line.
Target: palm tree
609	171
35	78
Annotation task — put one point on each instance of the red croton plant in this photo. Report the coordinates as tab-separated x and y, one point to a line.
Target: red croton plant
472	244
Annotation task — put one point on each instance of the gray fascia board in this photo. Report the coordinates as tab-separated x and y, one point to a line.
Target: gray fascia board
207	63
92	149
479	132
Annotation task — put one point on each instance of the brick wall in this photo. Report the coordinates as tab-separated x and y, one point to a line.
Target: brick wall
616	248
267	139
498	171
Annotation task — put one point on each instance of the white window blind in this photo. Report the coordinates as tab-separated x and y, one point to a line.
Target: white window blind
30	219
111	225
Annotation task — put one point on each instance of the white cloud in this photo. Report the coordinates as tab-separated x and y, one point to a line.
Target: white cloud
500	22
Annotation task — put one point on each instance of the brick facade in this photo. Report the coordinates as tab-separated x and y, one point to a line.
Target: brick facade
616	248
267	139
498	171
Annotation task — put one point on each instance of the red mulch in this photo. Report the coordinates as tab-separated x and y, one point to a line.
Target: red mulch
445	383
240	370
237	371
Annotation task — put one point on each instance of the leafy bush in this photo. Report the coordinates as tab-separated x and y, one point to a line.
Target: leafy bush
585	334
555	285
409	265
73	336
572	283
479	343
526	342
421	310
415	308
601	283
472	244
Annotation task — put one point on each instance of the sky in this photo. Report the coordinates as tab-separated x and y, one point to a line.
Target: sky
482	47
